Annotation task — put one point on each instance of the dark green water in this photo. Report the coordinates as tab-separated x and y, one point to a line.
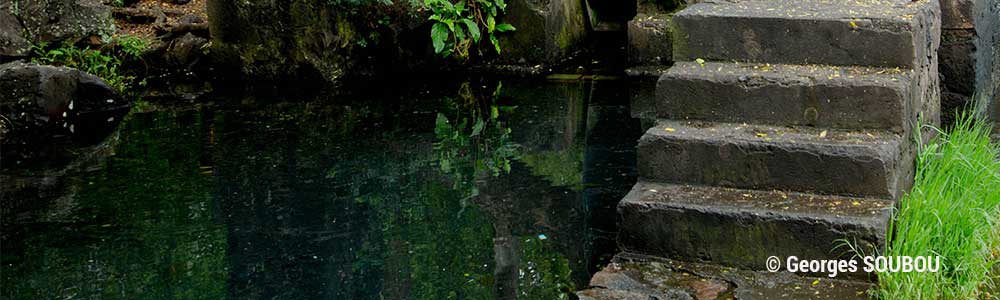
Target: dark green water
467	190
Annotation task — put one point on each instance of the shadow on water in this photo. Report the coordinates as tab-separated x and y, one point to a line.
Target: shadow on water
471	190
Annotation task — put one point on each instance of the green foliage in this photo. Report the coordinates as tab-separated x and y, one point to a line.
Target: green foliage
465	152
952	211
546	273
561	168
104	64
132	45
344	3
457	25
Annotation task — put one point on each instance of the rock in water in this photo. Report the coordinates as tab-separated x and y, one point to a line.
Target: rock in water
46	111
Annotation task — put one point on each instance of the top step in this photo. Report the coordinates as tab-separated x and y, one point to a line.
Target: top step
879	33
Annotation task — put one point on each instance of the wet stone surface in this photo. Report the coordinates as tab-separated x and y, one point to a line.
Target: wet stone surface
632	276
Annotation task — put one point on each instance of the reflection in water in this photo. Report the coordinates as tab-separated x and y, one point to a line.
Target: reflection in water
473	191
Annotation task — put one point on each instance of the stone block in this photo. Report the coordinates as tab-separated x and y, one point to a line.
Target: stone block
822	96
742	228
649	40
857	163
804	32
642	277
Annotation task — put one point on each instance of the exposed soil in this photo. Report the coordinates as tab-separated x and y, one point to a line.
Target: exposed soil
160	14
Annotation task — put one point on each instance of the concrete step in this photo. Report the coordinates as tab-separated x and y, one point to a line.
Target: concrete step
805	159
743	228
822	96
633	276
887	33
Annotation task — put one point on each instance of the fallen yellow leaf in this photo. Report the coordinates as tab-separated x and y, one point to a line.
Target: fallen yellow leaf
761	134
668	129
854	25
822	134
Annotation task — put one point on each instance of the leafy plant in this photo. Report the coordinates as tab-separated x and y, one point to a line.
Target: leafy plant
457	25
476	142
104	64
132	45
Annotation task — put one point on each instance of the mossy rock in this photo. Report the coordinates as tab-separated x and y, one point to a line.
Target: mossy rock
547	31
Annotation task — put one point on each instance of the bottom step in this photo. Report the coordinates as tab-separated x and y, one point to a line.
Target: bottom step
743	228
635	277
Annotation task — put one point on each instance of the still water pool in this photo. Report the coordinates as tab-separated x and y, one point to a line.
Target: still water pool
469	190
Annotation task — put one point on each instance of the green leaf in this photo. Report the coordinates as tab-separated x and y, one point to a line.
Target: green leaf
478	128
450	23
505	27
494	113
490	24
439	34
473	29
441	126
496	43
459	34
501	4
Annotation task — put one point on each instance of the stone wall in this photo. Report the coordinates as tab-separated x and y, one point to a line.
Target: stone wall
987	57
969	56
275	39
548	31
649	32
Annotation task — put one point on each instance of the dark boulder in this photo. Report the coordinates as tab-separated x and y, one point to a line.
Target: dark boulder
13	44
48	111
59	20
185	51
23	23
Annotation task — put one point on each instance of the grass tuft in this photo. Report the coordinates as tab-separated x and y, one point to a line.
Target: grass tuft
952	211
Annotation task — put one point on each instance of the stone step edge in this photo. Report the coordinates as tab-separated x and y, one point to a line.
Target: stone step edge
784	95
733	227
637	276
819	207
863	163
881	34
771	134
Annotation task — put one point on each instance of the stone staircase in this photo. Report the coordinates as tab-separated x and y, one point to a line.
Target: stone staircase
783	128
